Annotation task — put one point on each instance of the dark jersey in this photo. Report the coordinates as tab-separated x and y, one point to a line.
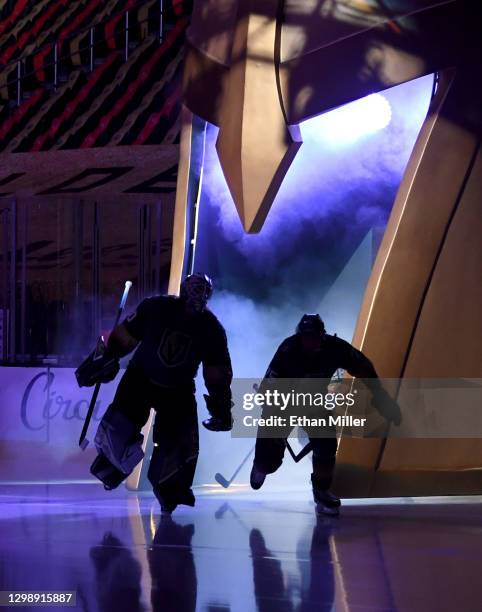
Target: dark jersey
290	361
173	344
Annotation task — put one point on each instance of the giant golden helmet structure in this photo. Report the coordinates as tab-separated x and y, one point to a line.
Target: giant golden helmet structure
257	68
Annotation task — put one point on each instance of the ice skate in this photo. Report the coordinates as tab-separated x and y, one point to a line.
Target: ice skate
257	478
326	503
167	509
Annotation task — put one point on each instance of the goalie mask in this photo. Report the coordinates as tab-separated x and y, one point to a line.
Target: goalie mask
196	289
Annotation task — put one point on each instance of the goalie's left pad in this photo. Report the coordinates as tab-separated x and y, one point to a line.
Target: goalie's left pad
119	441
99	367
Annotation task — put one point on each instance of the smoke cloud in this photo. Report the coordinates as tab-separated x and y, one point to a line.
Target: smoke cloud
316	248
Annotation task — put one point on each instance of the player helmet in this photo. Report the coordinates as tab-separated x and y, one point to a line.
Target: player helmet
196	289
311	324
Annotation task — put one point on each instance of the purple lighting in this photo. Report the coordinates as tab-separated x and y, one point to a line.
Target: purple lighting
315	251
316	248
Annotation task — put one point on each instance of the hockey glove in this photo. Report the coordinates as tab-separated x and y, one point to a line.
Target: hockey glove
387	406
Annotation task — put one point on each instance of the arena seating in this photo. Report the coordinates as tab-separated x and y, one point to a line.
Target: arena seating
162	126
39	56
105	100
81	102
42	23
79	44
134	91
18	8
47	113
42	14
10	127
117	103
79	21
115	24
156	118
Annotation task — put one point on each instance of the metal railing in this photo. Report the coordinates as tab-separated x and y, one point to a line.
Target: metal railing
56	64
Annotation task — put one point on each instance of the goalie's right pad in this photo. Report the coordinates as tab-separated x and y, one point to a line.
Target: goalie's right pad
119	440
107	473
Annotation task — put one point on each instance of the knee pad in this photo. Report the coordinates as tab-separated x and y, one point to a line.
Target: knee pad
164	465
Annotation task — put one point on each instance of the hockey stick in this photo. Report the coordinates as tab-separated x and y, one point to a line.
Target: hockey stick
83	442
225	483
296	458
303	452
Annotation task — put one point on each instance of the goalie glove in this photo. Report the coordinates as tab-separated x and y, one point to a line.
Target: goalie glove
99	367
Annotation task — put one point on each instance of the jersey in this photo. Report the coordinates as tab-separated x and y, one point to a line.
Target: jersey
290	361
172	344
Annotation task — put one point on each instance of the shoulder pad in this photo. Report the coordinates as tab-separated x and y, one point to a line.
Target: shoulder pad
211	318
287	344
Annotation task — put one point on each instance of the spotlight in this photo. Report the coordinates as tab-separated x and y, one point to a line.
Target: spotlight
351	121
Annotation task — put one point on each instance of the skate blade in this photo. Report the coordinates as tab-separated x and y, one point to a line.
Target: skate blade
326	511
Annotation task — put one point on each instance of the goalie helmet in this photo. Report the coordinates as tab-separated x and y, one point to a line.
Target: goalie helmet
196	289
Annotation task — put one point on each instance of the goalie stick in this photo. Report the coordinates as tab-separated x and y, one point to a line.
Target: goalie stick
83	442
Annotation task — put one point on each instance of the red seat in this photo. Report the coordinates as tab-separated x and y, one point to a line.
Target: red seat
32	32
77	22
20	6
39	63
154	118
111	25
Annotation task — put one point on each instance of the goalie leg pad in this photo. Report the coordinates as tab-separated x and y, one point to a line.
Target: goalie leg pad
119	440
107	473
176	448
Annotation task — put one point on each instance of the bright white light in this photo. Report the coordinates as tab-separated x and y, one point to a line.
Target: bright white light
349	122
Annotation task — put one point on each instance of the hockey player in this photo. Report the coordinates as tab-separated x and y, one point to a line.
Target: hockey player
173	336
312	353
